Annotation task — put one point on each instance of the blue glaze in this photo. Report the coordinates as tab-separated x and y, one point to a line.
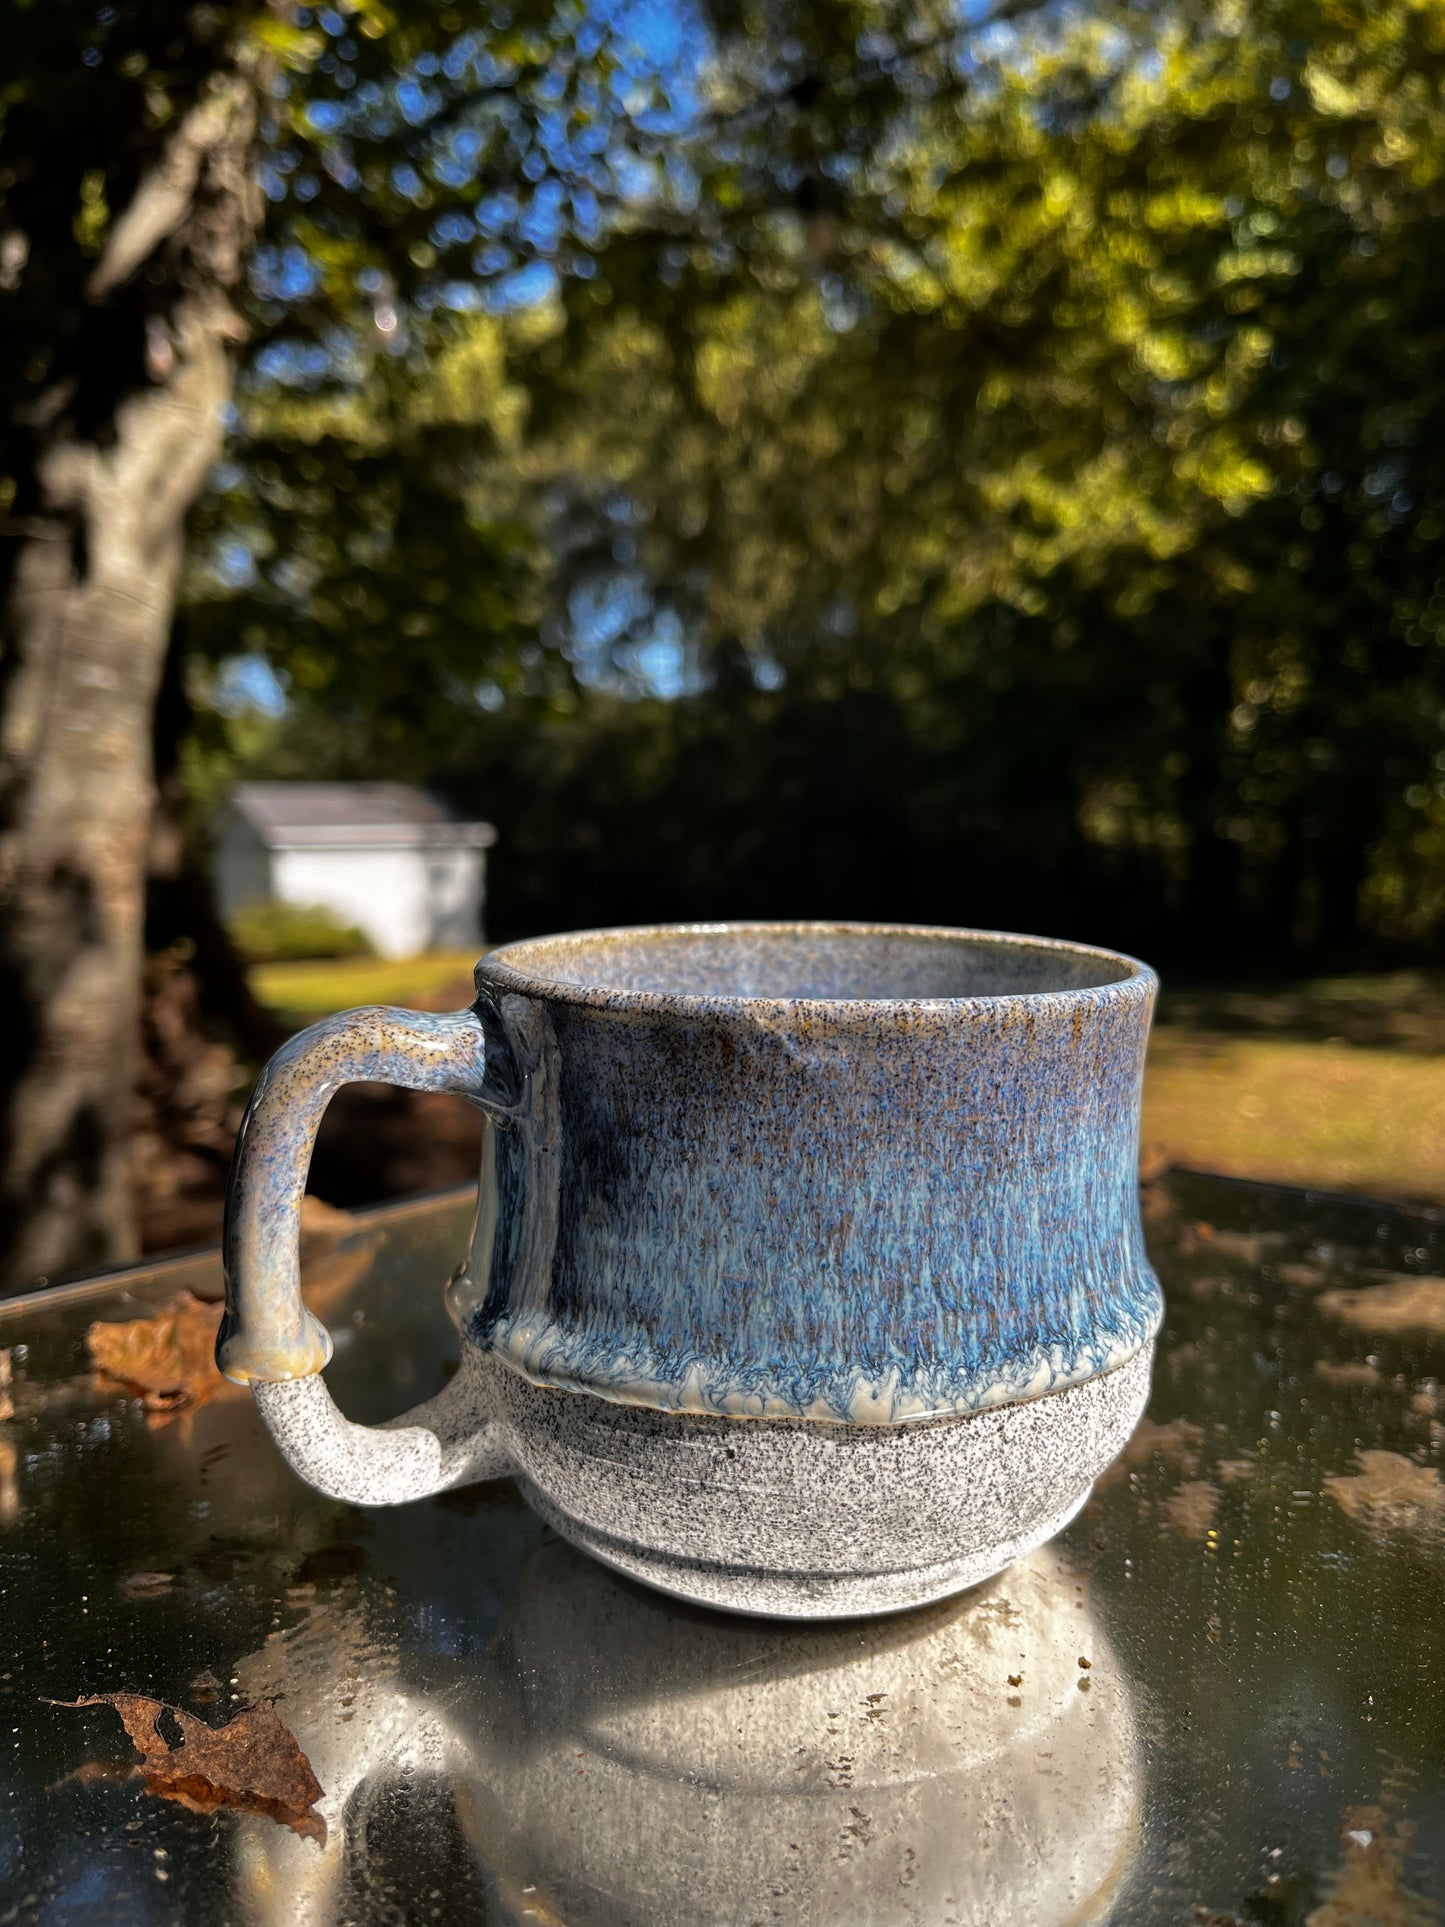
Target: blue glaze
843	1172
846	1172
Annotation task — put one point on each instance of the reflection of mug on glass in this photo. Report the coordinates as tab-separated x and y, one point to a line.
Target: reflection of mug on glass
807	1275
616	1758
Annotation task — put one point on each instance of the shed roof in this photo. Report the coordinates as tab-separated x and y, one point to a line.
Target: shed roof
288	815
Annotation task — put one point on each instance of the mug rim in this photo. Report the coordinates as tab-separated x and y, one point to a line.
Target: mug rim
1136	984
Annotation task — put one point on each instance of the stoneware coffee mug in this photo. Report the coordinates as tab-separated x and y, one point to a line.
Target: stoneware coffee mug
807	1277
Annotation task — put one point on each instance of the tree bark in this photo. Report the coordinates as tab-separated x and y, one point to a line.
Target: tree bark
99	528
181	916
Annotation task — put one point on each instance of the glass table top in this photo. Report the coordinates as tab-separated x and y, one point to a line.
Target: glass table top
1218	1698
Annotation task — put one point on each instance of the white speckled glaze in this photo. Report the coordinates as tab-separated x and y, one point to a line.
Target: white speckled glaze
782	1517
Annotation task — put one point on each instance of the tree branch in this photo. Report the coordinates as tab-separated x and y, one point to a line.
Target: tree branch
164	197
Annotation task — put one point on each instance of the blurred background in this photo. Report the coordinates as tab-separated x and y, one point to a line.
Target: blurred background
899	459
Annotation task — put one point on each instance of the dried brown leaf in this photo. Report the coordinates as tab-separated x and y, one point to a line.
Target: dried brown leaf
252	1765
1353	1372
1389	1490
320	1220
1304	1276
1176	1443
9	1483
1231	1471
147	1585
168	1360
1404	1304
1193	1509
1369	1889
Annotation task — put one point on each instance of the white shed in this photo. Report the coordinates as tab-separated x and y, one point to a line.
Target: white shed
382	856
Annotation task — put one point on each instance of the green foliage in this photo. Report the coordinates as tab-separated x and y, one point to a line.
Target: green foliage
1022	449
391	572
407	156
277	932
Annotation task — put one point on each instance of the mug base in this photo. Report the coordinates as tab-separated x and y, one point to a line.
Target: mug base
799	1595
796	1519
779	1517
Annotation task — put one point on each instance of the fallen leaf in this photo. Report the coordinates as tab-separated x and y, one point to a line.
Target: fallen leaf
1355	1372
1231	1471
1193	1509
1389	1490
9	1483
1306	1276
1206	1287
1369	1889
252	1764
147	1585
318	1219
168	1361
1406	1304
1177	1443
1250	1247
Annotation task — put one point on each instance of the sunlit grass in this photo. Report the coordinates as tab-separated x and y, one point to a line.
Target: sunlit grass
299	993
1337	1082
1325	1114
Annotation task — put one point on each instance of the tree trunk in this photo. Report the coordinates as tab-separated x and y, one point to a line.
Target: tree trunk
181	916
202	1033
100	530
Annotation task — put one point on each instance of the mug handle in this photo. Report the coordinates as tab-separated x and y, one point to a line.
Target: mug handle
268	1339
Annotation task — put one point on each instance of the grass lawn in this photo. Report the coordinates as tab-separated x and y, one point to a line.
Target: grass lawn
1329	1115
1337	1082
299	993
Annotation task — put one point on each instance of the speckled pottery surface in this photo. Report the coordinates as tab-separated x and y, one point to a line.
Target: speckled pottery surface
807	1276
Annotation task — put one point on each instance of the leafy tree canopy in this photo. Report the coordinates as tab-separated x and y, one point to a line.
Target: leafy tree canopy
975	470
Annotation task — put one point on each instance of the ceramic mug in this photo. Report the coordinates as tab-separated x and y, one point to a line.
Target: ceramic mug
807	1277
